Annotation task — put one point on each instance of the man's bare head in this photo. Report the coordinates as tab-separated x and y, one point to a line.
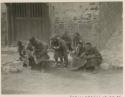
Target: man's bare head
88	45
33	40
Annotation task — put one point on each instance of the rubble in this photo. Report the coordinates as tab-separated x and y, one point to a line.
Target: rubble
10	62
14	67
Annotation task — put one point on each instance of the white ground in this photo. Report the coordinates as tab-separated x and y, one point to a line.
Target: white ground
60	81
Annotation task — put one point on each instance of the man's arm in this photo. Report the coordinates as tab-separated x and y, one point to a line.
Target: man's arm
90	56
95	54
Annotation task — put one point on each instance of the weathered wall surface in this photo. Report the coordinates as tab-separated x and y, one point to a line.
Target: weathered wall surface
96	22
76	17
110	21
3	24
112	33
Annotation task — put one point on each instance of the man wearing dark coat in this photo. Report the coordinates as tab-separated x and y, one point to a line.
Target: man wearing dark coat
76	39
68	40
60	50
39	52
92	56
87	58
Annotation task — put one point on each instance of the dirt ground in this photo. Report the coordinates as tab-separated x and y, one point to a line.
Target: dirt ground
60	81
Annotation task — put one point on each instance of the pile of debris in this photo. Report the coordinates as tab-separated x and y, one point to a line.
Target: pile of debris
10	62
13	67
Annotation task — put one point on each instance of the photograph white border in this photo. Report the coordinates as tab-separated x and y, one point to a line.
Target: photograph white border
69	95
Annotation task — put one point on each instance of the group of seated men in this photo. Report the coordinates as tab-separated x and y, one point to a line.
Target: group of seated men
62	45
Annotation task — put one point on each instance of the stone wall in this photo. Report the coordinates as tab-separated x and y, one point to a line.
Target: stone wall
95	21
77	17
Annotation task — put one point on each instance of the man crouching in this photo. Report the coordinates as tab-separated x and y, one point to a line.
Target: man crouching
39	53
93	57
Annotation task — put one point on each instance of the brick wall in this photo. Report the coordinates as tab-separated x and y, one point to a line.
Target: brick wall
96	22
76	17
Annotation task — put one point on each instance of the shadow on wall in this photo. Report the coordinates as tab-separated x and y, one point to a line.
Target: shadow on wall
110	22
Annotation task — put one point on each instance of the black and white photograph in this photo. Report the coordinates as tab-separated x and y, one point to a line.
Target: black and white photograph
61	48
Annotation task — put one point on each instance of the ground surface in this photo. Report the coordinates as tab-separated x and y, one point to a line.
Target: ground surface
62	82
59	81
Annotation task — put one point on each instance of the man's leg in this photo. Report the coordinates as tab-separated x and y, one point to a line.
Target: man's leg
61	59
92	64
70	47
55	57
66	60
32	62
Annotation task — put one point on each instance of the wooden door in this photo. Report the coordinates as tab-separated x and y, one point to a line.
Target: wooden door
26	28
31	20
